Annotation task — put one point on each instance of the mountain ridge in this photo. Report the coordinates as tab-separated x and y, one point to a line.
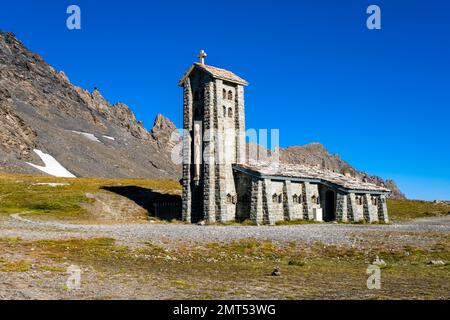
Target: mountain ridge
41	110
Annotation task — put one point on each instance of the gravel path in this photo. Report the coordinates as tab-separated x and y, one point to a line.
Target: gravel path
136	234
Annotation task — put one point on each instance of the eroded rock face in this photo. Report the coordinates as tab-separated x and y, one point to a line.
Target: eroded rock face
164	132
15	135
395	191
41	109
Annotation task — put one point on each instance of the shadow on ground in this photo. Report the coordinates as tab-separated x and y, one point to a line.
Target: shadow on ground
158	205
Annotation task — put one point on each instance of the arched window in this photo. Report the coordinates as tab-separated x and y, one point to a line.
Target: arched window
224	94
359	200
230	112
280	198
230	95
274	198
374	201
224	111
229	198
295	198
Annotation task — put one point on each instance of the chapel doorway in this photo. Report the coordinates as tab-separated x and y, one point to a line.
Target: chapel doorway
330	206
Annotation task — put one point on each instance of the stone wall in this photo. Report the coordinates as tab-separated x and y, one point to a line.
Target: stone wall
272	201
382	209
219	107
342	207
211	191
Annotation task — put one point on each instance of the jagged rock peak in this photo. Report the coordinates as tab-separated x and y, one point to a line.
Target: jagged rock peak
164	131
162	123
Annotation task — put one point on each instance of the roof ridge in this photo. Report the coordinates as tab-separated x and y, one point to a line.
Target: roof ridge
215	72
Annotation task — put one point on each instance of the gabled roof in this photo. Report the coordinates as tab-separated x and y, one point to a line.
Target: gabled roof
314	174
215	73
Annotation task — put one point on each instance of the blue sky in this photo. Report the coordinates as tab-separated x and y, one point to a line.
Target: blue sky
380	98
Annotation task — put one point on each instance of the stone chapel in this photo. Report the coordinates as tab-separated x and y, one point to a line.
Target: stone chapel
220	184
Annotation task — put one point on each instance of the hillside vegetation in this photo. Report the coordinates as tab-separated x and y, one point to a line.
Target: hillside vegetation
412	209
65	198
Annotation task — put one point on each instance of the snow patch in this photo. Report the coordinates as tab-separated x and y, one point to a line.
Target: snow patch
89	136
110	138
52	167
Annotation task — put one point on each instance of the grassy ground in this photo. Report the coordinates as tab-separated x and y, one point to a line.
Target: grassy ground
240	269
412	209
237	270
22	193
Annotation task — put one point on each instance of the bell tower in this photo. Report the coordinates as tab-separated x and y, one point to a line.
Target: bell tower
214	140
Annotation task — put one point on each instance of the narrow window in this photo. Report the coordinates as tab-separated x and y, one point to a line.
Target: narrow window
224	111
295	198
280	198
224	94
274	198
230	112
359	200
229	198
230	95
313	199
374	201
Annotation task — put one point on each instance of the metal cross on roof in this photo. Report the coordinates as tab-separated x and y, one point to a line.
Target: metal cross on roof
202	56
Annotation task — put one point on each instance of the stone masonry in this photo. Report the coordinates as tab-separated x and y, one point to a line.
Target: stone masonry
219	186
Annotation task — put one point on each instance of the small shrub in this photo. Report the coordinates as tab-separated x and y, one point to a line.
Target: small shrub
296	262
17	266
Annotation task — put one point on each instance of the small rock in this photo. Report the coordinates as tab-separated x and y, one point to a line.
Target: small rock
436	263
276	272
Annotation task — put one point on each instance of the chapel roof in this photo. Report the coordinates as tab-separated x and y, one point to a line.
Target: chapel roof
215	72
314	174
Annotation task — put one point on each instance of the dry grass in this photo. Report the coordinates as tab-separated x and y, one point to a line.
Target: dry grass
412	209
242	269
24	193
15	266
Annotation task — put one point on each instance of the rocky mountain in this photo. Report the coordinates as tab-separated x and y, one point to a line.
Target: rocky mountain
41	110
315	154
